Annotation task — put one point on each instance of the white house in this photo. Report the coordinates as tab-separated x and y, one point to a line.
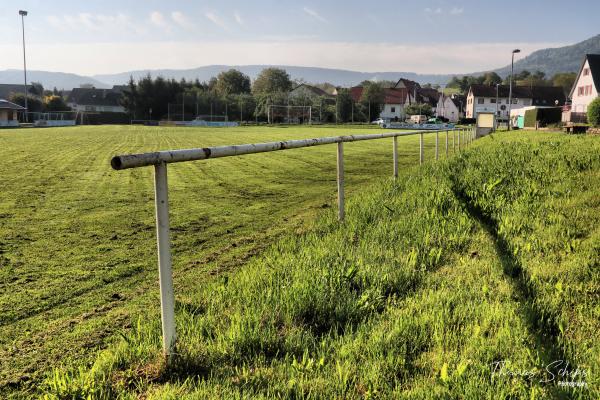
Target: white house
492	98
450	107
96	100
394	102
585	89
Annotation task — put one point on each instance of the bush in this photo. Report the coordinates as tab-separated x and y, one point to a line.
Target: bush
544	116
593	112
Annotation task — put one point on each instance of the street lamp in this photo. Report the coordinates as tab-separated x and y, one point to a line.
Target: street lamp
512	68
23	14
496	118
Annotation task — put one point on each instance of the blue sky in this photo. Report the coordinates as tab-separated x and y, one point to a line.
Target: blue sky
428	36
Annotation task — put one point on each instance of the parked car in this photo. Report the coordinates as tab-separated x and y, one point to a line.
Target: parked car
379	121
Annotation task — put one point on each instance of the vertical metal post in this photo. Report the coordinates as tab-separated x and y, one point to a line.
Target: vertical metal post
421	155
395	157
167	297
437	139
454	141
446	144
340	180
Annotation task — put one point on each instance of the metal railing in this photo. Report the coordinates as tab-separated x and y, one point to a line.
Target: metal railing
160	159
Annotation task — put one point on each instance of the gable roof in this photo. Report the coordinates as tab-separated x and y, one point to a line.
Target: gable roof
313	89
594	63
407	84
95	97
7	105
6	89
392	95
540	95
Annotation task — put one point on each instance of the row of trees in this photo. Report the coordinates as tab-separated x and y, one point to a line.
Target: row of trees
232	94
523	78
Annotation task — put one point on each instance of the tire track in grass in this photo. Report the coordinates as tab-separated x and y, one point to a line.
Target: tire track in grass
546	336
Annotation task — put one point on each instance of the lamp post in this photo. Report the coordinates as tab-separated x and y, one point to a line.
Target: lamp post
512	67
23	14
496	118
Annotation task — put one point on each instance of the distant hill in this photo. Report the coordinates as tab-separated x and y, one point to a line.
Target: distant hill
338	77
552	61
49	80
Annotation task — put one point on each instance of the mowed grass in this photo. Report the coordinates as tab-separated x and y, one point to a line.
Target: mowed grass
77	239
474	277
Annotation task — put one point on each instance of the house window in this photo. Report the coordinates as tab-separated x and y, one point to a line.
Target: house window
580	90
515	101
493	101
586	71
480	100
393	109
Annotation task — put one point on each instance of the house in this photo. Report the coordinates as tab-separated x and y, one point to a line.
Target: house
450	107
394	101
9	89
8	113
494	98
309	92
96	100
585	89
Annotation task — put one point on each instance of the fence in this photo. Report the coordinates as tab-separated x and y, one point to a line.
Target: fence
160	160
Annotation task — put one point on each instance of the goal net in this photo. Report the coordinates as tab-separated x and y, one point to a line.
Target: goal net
287	114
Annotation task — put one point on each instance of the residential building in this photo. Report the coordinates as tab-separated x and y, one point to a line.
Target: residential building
8	113
309	92
494	98
8	89
394	102
96	100
451	107
585	89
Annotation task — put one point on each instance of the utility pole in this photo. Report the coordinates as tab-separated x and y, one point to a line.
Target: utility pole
23	14
512	70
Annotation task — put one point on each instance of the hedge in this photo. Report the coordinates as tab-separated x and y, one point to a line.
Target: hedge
593	112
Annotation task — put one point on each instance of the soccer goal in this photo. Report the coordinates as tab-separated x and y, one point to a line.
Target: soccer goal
287	114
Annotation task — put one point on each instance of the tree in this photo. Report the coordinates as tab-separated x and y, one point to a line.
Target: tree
343	105
272	80
55	103
564	80
232	82
33	103
419	109
491	78
593	112
373	97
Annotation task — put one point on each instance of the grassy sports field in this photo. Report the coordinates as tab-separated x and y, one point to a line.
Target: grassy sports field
488	257
77	239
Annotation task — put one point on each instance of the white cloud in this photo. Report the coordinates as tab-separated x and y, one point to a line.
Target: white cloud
238	18
433	10
180	19
215	19
456	11
93	23
159	20
96	58
314	14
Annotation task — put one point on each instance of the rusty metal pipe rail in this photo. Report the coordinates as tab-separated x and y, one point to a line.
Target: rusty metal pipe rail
174	156
160	159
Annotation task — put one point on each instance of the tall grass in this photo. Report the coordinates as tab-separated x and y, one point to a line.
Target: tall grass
413	296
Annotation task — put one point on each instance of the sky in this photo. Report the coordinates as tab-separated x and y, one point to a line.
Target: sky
425	36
